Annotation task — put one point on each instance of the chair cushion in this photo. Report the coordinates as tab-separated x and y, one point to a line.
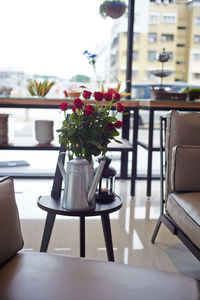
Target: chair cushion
184	209
185	169
10	234
183	128
41	276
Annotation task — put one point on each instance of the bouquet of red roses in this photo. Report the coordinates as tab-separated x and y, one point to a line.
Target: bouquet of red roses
90	127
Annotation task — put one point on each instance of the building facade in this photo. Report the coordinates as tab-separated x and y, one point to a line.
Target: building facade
170	25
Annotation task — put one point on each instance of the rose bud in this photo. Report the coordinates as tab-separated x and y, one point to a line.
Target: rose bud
87	94
120	107
98	96
116	97
118	124
108	96
78	103
65	93
64	106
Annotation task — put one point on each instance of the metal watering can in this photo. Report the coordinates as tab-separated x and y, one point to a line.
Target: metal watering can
79	183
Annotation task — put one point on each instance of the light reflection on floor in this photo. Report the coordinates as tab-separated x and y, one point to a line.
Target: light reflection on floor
132	228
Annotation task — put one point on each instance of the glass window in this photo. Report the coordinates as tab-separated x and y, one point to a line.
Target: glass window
197	21
134	73
135	55
196	56
169	18
180	45
171	55
197	39
153	18
167	37
152	37
152	55
136	37
195	75
182	27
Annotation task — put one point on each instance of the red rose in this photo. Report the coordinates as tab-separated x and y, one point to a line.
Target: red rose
110	126
118	124
78	103
120	107
116	97
65	93
98	96
86	94
89	110
112	91
108	96
64	106
74	109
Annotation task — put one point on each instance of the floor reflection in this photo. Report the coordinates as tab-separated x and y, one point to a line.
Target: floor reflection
132	228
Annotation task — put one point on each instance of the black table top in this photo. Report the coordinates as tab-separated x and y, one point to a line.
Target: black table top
54	206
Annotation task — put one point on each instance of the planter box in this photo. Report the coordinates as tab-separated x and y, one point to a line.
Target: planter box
194	95
164	95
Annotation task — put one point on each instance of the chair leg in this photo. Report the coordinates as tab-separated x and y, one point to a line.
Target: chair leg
47	232
156	229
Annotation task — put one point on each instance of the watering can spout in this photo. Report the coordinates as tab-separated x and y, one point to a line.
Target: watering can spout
95	181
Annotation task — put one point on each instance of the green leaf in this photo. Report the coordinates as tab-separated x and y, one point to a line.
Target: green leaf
117	141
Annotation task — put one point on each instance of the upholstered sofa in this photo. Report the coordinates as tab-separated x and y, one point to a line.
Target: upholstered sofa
180	200
42	276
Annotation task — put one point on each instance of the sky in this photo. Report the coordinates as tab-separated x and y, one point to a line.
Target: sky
50	36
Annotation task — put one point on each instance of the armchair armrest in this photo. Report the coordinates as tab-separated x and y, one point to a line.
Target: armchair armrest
185	170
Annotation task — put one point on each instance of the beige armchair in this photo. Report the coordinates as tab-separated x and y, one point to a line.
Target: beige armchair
42	276
180	207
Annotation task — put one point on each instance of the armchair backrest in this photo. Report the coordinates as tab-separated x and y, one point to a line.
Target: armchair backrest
10	231
183	128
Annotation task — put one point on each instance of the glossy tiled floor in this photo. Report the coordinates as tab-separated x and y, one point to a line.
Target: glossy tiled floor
132	228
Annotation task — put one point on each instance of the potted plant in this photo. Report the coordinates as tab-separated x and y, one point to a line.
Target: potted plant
114	9
39	88
193	93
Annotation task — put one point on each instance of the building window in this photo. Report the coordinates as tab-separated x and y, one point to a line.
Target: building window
182	27
171	55
180	62
136	37
196	56
195	75
149	75
152	55
197	39
167	37
169	18
134	73
135	55
153	18
180	45
197	21
152	37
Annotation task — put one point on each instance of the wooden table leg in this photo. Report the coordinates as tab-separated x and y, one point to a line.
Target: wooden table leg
47	231
107	236
82	236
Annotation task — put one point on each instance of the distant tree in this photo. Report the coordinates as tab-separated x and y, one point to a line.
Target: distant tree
80	78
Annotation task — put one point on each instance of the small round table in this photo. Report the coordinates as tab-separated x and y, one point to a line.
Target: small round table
54	207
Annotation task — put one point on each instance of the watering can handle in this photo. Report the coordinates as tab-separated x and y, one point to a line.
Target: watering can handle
60	164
